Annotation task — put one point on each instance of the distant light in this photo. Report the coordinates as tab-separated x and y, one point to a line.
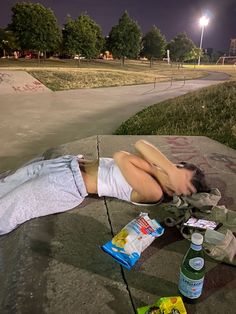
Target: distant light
204	20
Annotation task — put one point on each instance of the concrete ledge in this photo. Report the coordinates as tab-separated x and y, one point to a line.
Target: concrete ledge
54	264
18	82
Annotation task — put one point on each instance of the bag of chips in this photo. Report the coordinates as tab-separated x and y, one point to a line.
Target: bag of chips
126	247
165	305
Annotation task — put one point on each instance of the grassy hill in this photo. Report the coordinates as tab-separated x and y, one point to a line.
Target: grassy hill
209	112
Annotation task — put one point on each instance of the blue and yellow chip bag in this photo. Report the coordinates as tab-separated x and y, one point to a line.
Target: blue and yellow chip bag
126	247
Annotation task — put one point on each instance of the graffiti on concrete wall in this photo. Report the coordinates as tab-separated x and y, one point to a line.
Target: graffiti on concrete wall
183	149
4	77
228	161
33	87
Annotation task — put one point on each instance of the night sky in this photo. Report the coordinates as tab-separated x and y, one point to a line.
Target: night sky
170	16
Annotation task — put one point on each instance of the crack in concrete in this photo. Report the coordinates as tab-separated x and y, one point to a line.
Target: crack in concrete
121	268
112	234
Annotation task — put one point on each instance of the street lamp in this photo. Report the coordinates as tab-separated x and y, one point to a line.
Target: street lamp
204	20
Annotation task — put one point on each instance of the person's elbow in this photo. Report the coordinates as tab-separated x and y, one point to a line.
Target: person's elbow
157	194
139	143
119	156
153	196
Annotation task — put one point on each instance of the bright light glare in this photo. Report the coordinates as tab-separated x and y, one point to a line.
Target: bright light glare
204	21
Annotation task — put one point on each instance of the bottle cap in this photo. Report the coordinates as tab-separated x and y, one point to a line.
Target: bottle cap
197	238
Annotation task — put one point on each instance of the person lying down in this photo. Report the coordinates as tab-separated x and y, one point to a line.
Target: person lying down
57	185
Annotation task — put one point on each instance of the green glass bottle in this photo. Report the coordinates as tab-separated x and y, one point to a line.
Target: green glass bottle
192	270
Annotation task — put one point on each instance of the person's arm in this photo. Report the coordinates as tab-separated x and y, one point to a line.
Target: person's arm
139	174
178	180
154	156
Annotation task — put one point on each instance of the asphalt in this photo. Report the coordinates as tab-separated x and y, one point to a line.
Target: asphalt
55	264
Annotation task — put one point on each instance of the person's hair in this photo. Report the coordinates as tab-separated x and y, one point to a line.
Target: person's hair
198	180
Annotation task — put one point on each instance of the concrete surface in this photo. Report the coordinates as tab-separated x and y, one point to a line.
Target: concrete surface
33	121
55	265
15	82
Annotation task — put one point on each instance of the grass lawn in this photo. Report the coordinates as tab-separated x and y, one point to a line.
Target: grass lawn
209	112
70	74
64	74
229	69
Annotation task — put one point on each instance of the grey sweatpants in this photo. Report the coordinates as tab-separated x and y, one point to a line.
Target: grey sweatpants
38	189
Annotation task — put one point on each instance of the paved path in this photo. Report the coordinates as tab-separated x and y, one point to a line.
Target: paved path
33	121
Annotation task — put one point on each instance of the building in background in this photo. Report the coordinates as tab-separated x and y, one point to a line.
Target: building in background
232	48
231	58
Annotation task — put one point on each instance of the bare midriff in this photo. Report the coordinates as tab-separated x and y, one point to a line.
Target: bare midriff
89	171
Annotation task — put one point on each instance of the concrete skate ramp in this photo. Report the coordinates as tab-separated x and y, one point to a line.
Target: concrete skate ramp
18	82
55	264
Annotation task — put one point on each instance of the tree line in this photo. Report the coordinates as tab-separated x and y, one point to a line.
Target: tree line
34	27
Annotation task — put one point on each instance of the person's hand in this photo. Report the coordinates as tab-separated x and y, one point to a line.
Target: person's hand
178	181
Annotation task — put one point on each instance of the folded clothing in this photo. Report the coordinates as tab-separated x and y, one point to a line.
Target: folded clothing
220	244
221	247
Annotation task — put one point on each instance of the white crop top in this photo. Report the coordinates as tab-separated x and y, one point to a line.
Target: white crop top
111	182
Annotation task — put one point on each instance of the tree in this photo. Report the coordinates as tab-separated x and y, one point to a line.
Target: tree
216	55
100	40
194	54
82	36
35	27
154	44
125	38
180	47
8	42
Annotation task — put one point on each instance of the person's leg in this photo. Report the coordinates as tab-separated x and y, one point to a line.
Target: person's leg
30	171
49	193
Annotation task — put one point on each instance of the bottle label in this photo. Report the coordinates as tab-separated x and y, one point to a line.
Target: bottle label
196	247
190	288
196	263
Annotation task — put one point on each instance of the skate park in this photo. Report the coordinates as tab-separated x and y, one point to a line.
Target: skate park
55	264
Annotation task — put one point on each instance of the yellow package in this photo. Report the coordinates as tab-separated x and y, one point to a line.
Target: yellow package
165	305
